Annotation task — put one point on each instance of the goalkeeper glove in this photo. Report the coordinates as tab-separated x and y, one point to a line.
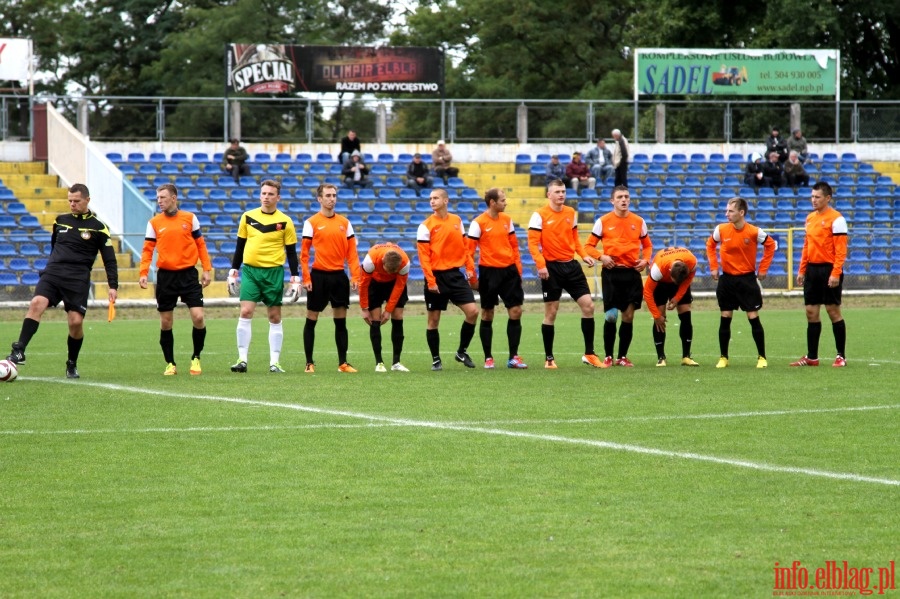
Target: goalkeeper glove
232	282
294	290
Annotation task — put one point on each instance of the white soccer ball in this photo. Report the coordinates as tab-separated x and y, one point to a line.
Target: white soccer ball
8	371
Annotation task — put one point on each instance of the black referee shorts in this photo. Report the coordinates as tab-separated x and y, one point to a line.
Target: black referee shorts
72	291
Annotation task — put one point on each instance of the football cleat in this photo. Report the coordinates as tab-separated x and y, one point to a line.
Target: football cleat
661	362
398	367
437	365
761	362
804	361
489	363
18	353
276	367
623	361
241	366
310	368
688	361
346	367
550	364
592	360
516	362
170	370
607	362
71	370
380	367
839	362
722	363
464	359
195	367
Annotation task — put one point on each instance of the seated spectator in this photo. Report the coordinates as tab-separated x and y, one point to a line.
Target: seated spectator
753	176
773	172
556	171
418	176
599	159
776	143
442	159
234	160
794	173
797	143
349	144
356	173
579	174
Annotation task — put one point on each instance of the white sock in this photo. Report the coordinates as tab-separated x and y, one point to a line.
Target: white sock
244	332
276	337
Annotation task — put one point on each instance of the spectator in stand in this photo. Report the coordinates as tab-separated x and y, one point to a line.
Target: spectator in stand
349	144
556	171
356	173
776	143
234	160
442	159
621	153
579	174
418	176
773	172
600	160
794	173
797	143
753	177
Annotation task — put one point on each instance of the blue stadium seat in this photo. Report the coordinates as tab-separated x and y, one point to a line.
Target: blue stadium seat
324	158
304	158
523	158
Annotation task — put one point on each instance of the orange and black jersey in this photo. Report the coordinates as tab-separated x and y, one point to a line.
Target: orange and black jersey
75	242
825	242
496	239
442	246
335	243
661	272
373	270
624	239
179	242
738	249
553	236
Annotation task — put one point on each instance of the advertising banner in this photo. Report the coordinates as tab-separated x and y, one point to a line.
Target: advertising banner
666	71
15	59
274	68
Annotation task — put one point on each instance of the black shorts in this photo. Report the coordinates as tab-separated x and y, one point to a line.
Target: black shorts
380	293
72	291
622	287
328	286
739	291
566	276
172	284
495	283
666	291
453	287
815	286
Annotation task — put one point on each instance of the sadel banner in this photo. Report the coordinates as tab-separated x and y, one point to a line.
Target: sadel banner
273	68
665	71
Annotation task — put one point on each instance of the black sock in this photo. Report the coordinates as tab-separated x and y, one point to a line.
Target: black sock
29	328
659	340
686	332
626	333
466	332
840	337
548	331
74	347
309	339
759	336
609	337
341	338
514	334
587	331
198	336
813	332
397	337
167	343
375	338
433	337
486	332
724	335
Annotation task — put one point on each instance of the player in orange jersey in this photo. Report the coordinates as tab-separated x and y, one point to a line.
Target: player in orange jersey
175	235
553	243
385	272
668	287
331	236
442	252
821	273
626	252
493	235
738	286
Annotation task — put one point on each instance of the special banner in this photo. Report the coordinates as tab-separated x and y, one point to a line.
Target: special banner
665	71
273	68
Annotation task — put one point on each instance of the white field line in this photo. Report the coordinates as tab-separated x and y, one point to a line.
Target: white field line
373	418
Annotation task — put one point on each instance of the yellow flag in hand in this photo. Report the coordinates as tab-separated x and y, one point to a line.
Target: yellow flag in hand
112	311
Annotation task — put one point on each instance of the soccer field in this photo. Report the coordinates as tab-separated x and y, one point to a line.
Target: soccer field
579	482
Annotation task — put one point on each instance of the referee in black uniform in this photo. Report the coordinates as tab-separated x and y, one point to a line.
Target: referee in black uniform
75	242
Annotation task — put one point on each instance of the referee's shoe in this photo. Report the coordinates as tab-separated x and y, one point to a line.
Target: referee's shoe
18	353
71	370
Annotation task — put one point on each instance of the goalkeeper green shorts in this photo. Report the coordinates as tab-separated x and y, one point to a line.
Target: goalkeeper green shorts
264	285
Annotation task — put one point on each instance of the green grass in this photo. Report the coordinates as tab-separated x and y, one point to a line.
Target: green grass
578	482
